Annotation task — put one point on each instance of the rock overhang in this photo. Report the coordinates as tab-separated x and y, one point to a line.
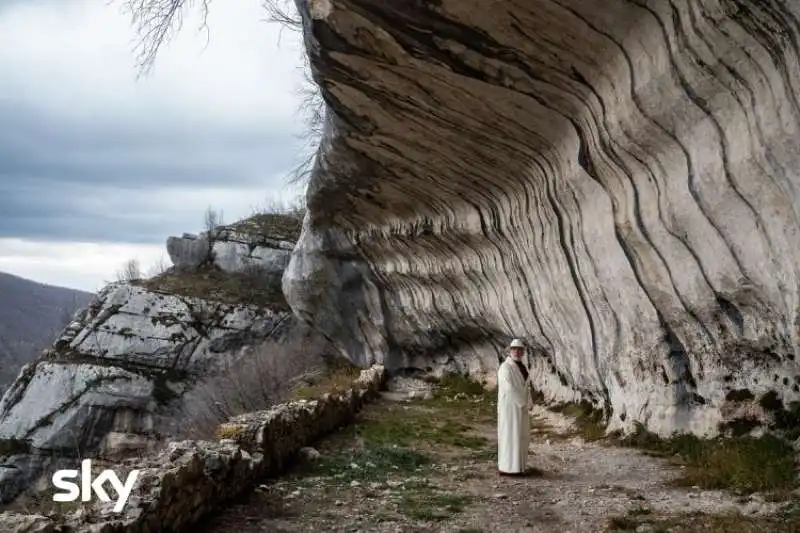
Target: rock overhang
614	185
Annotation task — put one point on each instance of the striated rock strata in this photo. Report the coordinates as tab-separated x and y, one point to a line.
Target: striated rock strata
616	184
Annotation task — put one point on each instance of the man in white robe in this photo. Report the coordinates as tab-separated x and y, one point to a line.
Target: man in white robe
513	420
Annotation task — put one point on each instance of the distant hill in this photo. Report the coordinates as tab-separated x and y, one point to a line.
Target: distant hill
31	315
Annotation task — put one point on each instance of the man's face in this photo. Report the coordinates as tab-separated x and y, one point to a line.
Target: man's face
516	353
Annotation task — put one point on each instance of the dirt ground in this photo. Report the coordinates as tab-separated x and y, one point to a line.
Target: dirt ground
429	466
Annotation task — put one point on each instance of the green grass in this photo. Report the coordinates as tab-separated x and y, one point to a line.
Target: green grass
744	464
372	464
403	428
446	419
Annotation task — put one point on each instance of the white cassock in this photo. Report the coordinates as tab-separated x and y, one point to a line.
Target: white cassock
513	421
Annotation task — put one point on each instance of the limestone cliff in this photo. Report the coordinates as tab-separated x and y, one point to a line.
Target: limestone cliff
616	182
135	351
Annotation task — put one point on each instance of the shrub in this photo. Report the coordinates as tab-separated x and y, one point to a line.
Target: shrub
262	377
130	271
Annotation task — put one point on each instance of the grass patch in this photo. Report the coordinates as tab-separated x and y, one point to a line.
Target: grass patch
744	464
430	506
446	419
703	523
464	397
589	422
337	378
369	464
274	225
410	428
211	283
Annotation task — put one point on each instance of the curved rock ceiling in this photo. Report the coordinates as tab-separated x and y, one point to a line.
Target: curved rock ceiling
618	185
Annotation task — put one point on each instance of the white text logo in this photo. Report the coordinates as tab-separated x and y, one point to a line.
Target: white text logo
74	490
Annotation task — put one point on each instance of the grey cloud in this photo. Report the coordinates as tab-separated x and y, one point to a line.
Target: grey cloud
54	171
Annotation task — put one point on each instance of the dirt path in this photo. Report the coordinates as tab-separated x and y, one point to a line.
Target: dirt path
429	466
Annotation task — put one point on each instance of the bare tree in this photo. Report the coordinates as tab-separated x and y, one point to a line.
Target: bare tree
130	271
157	21
260	378
212	219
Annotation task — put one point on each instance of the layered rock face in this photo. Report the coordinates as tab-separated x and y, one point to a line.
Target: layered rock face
617	184
128	358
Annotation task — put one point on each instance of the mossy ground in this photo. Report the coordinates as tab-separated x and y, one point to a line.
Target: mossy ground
277	225
211	283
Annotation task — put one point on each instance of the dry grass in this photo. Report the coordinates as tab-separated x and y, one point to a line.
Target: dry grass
337	377
278	225
211	283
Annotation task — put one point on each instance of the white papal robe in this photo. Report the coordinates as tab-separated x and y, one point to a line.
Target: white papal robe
513	420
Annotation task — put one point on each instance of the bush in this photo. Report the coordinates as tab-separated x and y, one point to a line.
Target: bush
130	271
264	376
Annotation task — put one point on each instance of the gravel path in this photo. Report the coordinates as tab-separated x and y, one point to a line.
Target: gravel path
579	486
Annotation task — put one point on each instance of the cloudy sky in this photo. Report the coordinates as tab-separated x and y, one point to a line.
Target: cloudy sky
98	167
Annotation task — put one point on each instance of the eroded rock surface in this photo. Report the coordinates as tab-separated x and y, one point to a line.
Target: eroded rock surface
616	184
120	361
239	247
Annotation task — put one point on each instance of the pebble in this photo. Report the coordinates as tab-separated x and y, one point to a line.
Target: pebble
499	496
310	453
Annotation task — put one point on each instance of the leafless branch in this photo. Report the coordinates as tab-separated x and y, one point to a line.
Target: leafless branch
130	271
158	21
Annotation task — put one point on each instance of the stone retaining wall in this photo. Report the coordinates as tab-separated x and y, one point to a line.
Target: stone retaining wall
190	479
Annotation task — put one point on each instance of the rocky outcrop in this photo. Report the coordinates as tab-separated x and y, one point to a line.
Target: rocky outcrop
190	479
120	369
263	242
615	184
120	361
